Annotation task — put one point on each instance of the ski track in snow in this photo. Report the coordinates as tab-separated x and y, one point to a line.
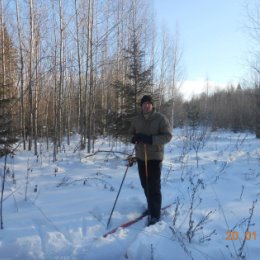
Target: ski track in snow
67	215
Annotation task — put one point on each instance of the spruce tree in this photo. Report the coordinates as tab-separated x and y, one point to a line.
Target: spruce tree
7	92
138	82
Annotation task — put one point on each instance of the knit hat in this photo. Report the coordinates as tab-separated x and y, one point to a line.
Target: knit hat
146	98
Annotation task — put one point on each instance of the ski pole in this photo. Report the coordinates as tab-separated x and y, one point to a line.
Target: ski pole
146	177
119	190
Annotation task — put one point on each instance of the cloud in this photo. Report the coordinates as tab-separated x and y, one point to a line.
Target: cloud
191	88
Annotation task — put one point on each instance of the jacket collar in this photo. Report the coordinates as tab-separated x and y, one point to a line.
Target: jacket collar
148	116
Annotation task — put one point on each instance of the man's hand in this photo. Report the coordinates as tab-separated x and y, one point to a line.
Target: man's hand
142	138
131	160
134	139
145	139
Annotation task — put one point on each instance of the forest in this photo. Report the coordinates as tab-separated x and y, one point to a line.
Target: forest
81	66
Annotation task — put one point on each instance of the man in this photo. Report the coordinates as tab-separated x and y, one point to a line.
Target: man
149	131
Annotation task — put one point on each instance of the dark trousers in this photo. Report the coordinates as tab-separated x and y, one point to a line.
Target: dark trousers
151	185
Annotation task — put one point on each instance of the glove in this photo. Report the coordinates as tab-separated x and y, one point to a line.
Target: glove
134	139
131	160
145	139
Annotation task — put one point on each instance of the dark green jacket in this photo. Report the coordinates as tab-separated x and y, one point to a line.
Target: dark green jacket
156	125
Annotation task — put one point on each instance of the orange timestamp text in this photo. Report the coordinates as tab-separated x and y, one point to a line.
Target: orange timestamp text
234	235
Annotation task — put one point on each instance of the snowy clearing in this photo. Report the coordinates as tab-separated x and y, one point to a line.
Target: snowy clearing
60	210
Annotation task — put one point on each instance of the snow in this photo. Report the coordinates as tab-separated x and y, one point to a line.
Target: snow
67	216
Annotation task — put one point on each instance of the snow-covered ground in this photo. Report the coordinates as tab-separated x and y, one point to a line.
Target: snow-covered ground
60	210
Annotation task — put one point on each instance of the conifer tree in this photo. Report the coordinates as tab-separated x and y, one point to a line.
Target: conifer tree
138	82
7	92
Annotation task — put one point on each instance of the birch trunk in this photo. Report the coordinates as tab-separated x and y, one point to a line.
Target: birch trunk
61	79
22	112
30	86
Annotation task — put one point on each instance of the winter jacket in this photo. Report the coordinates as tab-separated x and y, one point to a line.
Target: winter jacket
156	125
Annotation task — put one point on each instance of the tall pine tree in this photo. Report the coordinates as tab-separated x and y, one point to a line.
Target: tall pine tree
138	82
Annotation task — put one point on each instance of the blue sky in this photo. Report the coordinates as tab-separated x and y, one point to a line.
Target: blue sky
213	37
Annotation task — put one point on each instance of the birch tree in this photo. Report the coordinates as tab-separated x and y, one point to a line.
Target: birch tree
55	87
80	99
21	75
32	113
176	74
61	73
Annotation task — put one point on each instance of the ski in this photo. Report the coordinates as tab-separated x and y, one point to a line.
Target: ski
133	221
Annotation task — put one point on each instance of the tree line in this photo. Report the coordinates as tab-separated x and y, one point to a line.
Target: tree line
234	108
81	66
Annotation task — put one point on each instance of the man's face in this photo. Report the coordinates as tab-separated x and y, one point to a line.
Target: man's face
147	107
